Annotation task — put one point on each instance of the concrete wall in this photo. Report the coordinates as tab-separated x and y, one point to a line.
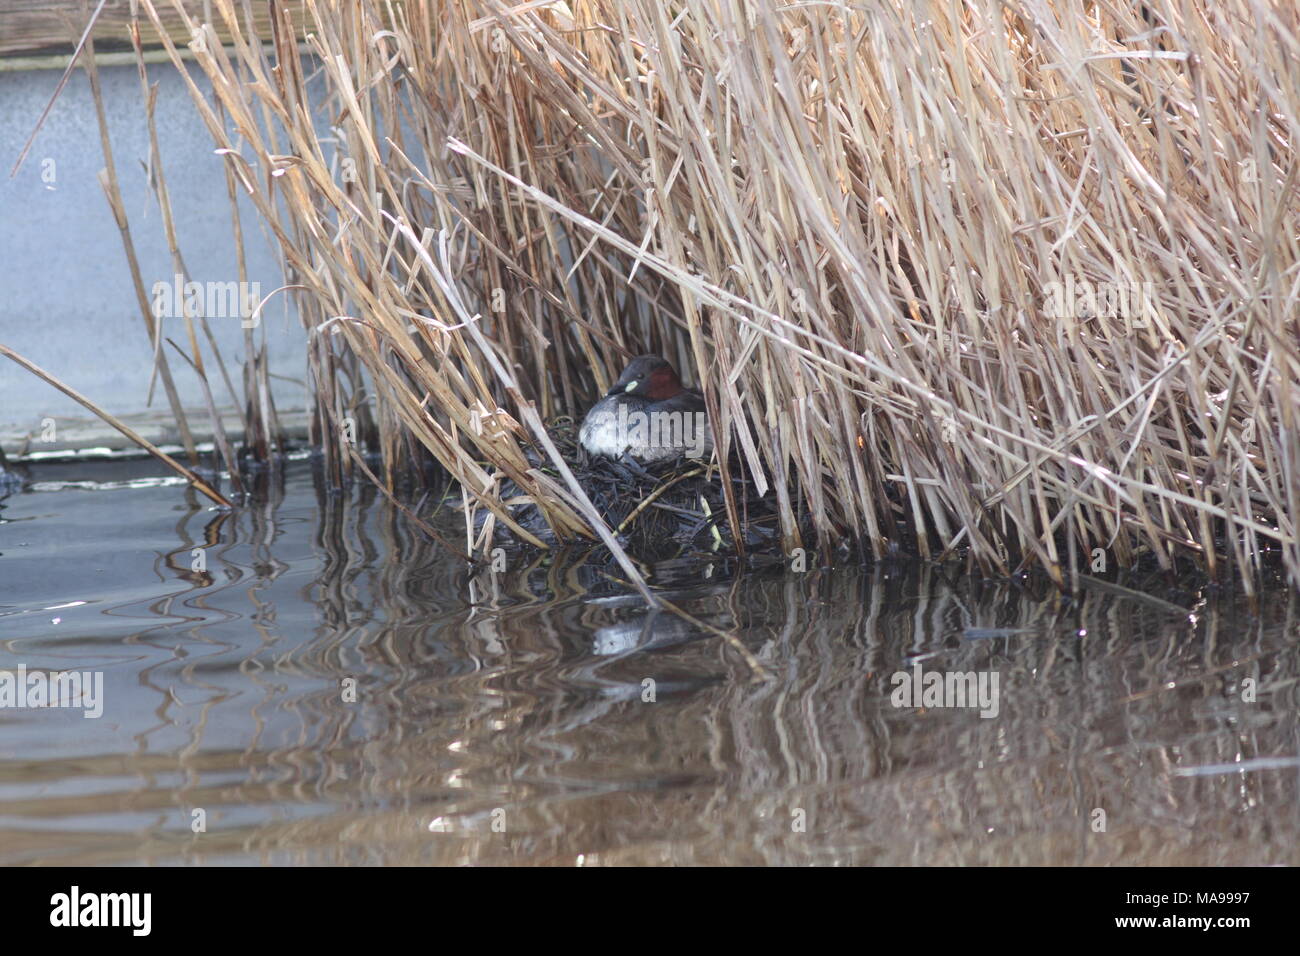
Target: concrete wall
66	296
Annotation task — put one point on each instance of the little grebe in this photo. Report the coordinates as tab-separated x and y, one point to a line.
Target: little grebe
649	415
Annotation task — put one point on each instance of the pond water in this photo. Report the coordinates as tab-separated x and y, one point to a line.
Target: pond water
333	687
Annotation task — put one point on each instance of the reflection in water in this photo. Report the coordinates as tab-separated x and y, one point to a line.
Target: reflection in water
328	686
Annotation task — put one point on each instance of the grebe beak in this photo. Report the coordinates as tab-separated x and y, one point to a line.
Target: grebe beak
631	385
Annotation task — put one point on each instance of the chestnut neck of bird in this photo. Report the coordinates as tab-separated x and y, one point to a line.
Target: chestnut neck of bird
663	383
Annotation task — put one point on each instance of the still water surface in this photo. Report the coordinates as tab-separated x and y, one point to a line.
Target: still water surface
505	718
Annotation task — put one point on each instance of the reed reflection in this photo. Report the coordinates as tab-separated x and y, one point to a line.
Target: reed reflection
336	687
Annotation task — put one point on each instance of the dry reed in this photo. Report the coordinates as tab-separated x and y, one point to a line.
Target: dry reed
1023	277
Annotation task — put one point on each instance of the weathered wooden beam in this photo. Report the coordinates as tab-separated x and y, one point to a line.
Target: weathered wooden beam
31	28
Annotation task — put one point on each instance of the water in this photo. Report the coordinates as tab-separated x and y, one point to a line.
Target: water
506	719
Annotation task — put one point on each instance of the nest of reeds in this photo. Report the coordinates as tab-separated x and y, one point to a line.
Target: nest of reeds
656	510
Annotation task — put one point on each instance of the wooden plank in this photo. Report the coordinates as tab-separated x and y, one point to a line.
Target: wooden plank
36	27
21	441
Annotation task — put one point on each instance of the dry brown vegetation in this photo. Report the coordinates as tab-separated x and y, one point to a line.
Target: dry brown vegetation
847	220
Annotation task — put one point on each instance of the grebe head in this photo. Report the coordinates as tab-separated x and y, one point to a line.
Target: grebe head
648	376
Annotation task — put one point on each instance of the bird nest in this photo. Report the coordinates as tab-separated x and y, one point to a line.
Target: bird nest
655	509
